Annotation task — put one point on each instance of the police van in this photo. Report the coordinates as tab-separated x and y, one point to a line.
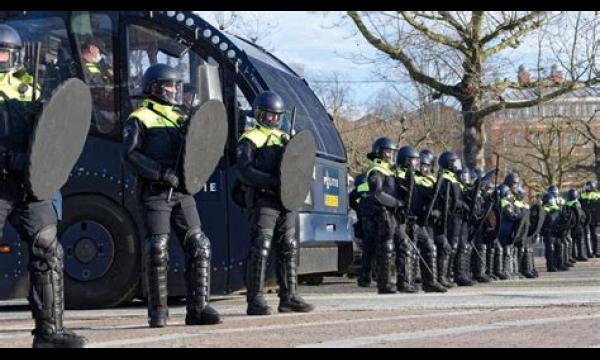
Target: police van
101	229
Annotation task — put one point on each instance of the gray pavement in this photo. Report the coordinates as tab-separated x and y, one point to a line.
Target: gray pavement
513	313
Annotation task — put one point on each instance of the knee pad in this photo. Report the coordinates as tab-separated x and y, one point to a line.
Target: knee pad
289	242
157	249
46	251
261	244
197	244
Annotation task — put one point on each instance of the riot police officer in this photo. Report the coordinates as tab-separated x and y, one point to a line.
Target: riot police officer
480	206
34	220
551	234
462	264
259	151
420	231
365	228
384	204
521	245
453	212
590	201
512	216
577	230
153	137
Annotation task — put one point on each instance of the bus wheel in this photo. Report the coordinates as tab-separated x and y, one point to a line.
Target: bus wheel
102	253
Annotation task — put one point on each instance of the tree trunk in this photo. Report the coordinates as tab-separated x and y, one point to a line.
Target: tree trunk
473	138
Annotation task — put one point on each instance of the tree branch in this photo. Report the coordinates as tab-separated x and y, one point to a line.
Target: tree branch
438	38
510	25
399	55
566	87
512	40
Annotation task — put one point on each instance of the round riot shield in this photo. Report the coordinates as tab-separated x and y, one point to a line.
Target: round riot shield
205	141
58	138
296	170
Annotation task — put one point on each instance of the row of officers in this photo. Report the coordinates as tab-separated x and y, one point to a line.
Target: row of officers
152	141
425	231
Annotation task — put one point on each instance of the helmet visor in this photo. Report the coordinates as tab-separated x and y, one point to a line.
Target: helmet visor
268	119
170	92
9	59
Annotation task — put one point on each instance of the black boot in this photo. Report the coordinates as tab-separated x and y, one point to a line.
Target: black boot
289	299
560	256
365	272
527	263
551	258
480	257
452	265
489	262
443	260
430	274
416	265
46	294
384	266
157	258
405	280
507	261
499	263
198	255
463	268
256	267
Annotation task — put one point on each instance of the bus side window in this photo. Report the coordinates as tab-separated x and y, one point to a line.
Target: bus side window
93	36
245	113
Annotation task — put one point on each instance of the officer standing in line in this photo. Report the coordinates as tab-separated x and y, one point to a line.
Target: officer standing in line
522	244
453	208
577	231
513	215
153	137
97	71
590	201
427	163
421	231
384	204
365	229
462	264
551	234
570	251
259	152
35	221
479	204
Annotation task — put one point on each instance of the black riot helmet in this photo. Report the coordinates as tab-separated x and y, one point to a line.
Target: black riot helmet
384	148
449	161
553	189
503	191
589	186
164	84
571	195
10	49
268	107
549	199
408	155
427	160
512	180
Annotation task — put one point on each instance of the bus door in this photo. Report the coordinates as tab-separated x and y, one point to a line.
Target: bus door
148	43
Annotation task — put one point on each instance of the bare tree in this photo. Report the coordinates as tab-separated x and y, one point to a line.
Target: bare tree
549	152
334	91
589	129
249	25
471	45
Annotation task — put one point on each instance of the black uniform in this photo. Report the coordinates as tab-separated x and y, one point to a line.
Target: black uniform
35	221
153	137
364	228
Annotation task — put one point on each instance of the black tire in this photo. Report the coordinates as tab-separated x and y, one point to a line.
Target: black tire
120	283
312	279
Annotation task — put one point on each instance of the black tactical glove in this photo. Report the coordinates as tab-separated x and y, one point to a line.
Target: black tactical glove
168	176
